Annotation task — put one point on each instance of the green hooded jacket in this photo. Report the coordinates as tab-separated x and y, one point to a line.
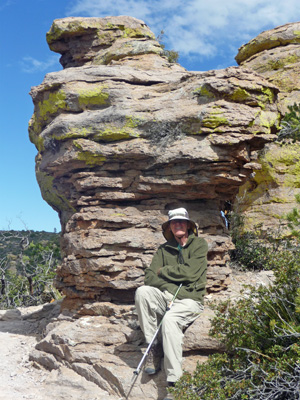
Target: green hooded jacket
168	269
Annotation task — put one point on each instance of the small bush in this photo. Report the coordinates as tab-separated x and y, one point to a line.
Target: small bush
171	55
254	250
261	335
290	125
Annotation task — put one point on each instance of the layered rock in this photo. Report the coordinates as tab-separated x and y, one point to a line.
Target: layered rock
123	136
270	194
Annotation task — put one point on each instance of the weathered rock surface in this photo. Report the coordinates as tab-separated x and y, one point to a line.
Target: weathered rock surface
47	354
270	194
124	138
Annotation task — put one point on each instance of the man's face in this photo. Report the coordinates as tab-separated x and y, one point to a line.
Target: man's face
179	227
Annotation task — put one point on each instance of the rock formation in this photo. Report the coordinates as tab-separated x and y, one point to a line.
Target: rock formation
123	136
270	193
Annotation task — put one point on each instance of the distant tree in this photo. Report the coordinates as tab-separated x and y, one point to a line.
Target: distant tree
27	268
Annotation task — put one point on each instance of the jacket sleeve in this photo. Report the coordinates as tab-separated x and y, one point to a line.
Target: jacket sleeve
192	269
151	277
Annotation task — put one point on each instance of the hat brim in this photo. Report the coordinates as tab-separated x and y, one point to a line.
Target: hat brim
168	233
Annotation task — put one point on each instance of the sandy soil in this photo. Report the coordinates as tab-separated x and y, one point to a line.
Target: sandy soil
18	378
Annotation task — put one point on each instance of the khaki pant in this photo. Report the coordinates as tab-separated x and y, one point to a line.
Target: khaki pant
151	304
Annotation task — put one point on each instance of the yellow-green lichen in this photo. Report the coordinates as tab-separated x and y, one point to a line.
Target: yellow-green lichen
280	168
268	94
51	105
137	33
91	159
268	119
132	121
113	133
214	119
34	136
91	97
130	32
74	133
267	97
109	25
286	160
203	91
240	95
45	111
88	157
280	200
67	28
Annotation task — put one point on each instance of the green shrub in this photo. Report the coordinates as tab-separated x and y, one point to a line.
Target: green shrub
290	125
171	55
254	250
261	335
293	218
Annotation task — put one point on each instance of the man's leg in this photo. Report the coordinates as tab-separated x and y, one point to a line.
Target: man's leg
182	314
150	304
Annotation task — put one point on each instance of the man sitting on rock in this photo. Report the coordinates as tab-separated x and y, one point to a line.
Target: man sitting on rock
181	260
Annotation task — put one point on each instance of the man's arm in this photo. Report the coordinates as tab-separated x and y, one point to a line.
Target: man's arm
151	273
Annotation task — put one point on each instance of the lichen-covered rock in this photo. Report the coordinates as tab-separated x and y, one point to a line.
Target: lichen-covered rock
124	139
100	40
270	194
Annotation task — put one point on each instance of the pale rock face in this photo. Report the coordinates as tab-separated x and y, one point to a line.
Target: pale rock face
270	194
122	137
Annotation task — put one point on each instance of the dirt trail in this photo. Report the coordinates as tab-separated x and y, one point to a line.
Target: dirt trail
18	378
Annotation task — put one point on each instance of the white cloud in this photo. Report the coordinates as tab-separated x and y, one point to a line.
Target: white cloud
198	26
32	65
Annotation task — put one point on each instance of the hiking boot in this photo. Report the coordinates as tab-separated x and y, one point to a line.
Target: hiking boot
154	359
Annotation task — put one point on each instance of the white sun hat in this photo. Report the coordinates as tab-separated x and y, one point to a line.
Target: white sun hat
178	213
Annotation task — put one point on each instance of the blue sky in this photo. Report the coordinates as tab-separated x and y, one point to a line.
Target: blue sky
207	35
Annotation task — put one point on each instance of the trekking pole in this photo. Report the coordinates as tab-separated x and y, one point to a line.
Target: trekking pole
139	367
